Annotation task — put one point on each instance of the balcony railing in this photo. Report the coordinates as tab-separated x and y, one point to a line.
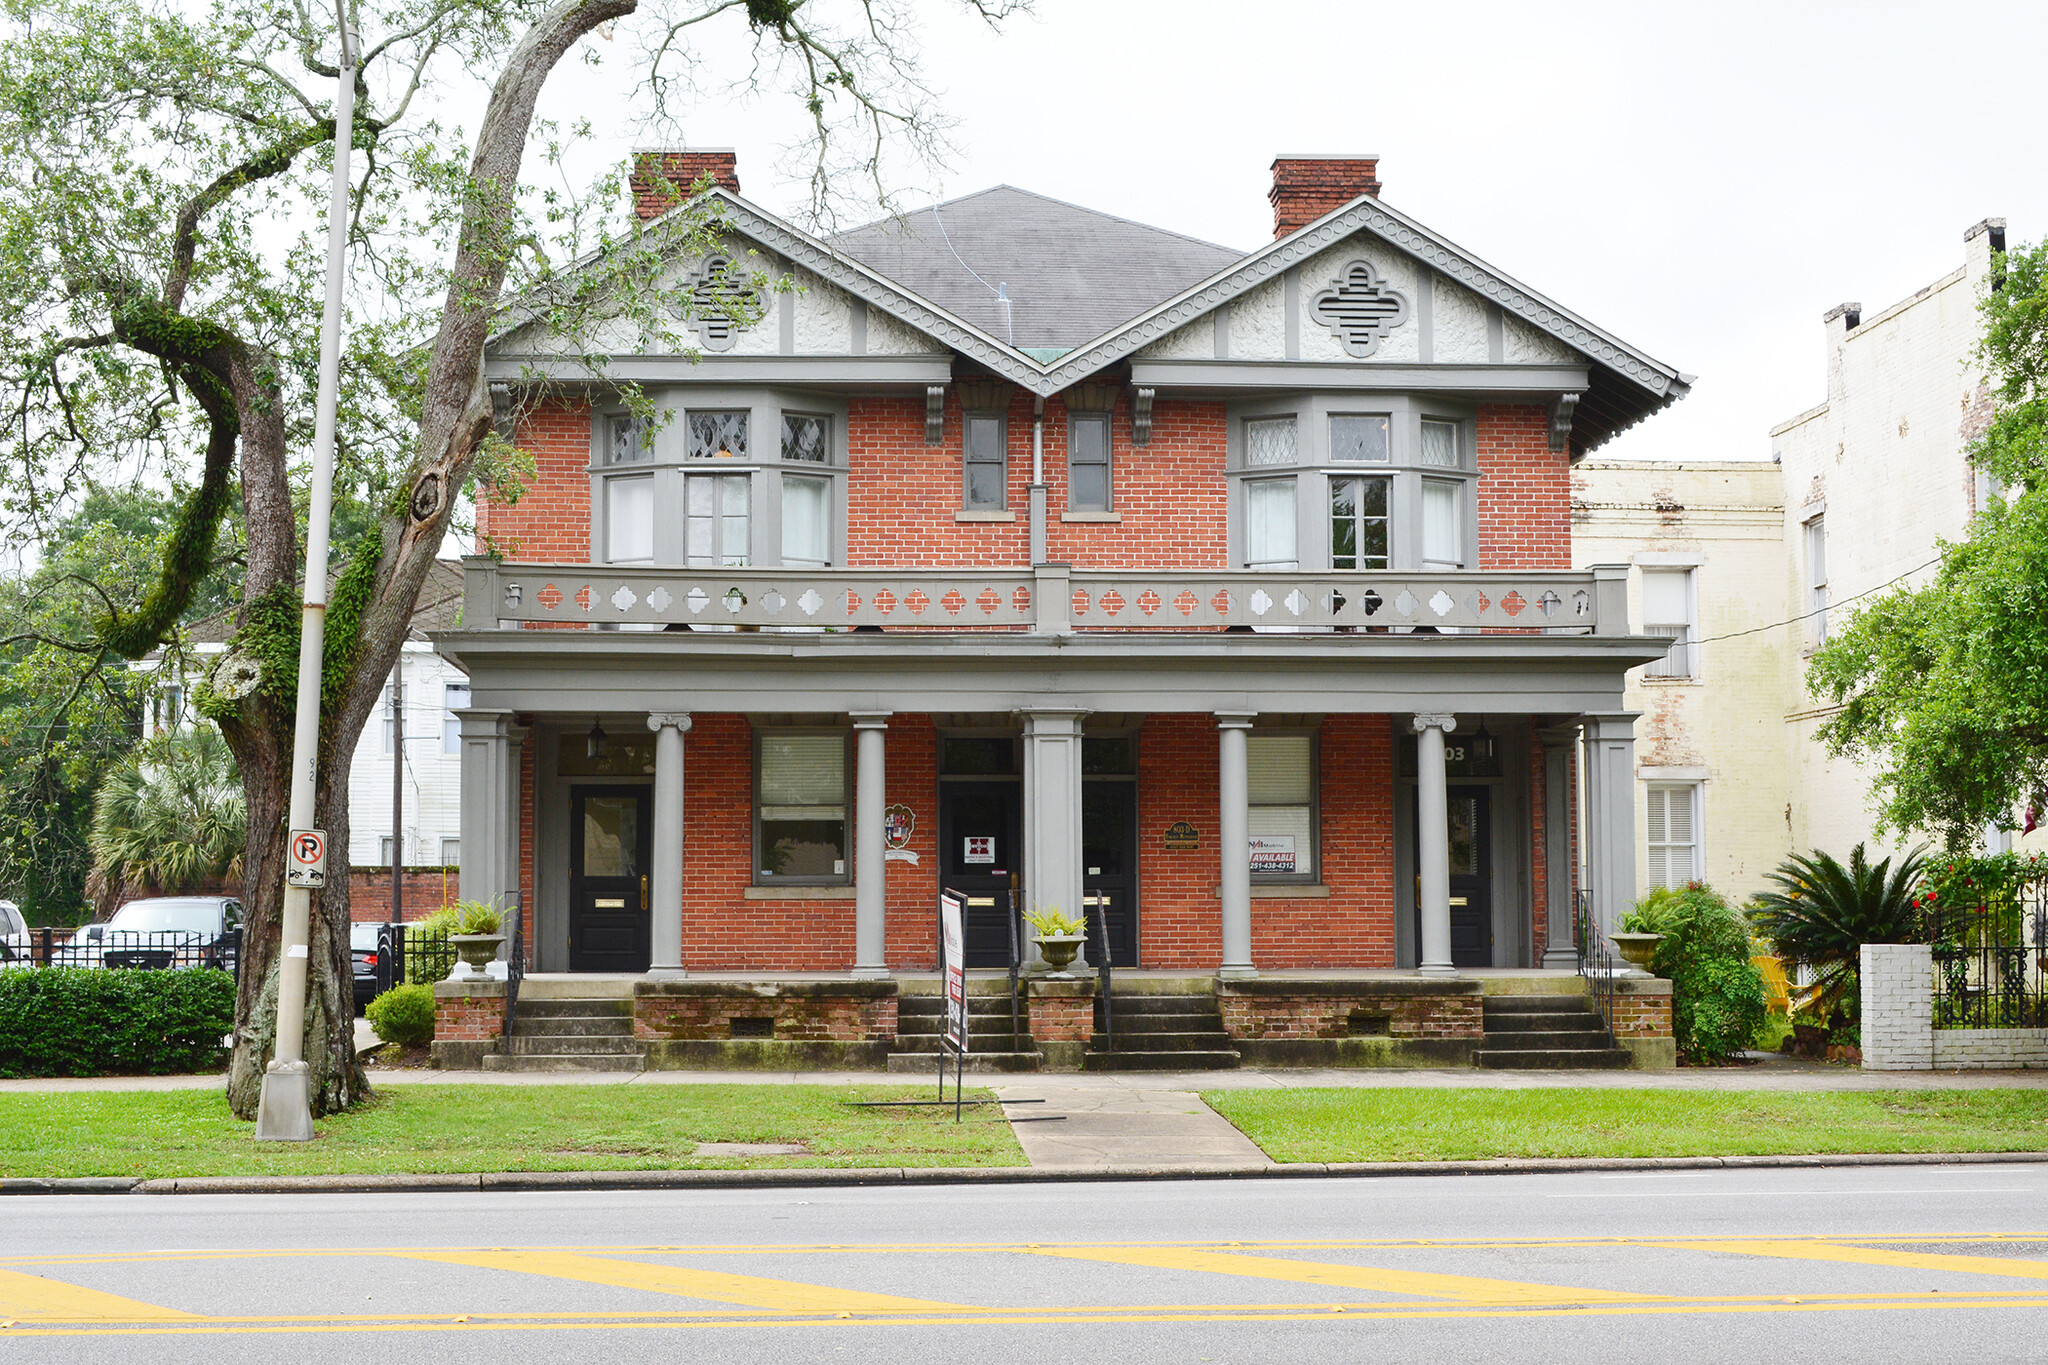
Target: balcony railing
1051	599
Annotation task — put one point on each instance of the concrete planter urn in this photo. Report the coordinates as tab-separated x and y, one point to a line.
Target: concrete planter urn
478	951
1637	949
1059	950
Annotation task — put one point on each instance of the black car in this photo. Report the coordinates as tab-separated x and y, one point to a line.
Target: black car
362	950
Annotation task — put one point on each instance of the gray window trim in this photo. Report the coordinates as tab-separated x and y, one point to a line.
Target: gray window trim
1002	419
1312	413
754	877
1108	460
765	466
1313	876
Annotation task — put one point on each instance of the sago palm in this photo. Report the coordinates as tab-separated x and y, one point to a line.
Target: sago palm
171	818
1824	912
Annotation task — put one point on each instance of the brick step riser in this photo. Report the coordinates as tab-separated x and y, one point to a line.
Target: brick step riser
1545	1023
1165	1042
1163	1004
1166	1023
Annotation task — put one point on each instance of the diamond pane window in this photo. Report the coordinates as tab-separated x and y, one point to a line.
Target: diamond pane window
628	442
803	438
718	436
1269	441
1358	440
1440	444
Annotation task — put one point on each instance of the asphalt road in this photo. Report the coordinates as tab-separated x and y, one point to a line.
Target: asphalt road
1865	1264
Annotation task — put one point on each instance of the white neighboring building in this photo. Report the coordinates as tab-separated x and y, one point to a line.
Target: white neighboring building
1873	477
1702	544
434	688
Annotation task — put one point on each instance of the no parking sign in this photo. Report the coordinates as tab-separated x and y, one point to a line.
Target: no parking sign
306	860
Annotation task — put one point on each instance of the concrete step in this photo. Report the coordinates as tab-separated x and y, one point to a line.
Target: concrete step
978	1063
1219	1060
1531	1040
577	1047
551	1009
1537	1003
1554	1059
494	1061
1210	1022
1544	1023
573	1026
1208	1040
1162	1004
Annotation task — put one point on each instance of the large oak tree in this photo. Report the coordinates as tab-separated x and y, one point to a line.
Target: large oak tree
162	191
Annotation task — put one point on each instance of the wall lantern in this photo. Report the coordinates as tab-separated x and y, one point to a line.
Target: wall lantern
594	742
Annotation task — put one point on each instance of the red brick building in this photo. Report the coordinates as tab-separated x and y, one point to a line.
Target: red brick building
1227	597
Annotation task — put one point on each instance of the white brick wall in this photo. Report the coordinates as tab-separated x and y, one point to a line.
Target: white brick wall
1898	1007
1981	1049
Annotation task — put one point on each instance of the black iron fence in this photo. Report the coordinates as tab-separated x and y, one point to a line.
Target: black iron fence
1596	958
96	945
1991	961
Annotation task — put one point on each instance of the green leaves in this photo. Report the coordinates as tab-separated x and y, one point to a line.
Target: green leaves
1822	913
91	1021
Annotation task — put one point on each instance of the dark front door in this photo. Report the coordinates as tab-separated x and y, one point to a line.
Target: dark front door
1109	867
610	834
1471	842
1471	821
979	849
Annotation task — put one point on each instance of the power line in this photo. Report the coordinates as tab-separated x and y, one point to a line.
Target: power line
1795	620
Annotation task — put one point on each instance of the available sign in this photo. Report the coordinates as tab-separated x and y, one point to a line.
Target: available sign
954	945
1273	853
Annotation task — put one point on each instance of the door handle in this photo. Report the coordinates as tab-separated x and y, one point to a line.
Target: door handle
643	890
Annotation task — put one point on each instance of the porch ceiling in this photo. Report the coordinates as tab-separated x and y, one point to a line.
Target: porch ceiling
532	670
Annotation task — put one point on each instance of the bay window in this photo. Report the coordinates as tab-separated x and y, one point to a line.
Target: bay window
1304	467
720	478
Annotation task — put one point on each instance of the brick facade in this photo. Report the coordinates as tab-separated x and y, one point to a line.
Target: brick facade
1643	1015
704	1012
1310	1010
422	891
471	1017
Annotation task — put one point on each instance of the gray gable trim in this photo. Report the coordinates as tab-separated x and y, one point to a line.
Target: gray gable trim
1519	381
799	248
1369	214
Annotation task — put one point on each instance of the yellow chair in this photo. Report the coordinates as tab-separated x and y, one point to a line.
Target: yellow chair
1777	990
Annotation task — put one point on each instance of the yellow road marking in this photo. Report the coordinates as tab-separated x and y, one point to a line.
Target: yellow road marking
786	1296
31	1297
1861	1255
1372	1278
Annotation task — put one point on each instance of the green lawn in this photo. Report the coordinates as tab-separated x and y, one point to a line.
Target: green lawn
444	1128
1449	1125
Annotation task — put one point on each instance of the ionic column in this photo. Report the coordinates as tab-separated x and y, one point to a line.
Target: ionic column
1234	840
665	876
1611	814
1052	817
1433	842
870	867
489	842
1559	951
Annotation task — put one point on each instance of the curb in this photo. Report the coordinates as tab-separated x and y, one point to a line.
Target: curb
971	1175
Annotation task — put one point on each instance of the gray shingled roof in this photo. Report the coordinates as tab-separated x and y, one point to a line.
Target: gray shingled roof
1072	273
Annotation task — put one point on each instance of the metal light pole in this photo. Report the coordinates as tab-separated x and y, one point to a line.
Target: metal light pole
397	789
285	1111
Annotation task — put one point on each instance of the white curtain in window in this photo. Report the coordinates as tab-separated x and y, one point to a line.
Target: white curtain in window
1269	524
1673	854
803	776
1440	444
806	522
1442	532
629	520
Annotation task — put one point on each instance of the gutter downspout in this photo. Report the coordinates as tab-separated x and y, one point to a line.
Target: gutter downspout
1038	480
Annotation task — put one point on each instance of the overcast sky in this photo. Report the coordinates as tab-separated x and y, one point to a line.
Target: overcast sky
1703	181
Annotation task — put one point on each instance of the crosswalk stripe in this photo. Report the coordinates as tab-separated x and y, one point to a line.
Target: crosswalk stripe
33	1298
1374	1279
1858	1255
785	1296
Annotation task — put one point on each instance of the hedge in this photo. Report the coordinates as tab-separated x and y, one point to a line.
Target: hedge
85	1021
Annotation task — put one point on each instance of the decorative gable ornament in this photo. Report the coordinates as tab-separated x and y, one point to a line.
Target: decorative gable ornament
721	297
1360	309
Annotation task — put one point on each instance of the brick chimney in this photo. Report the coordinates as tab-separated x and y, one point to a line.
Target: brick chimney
1307	187
682	170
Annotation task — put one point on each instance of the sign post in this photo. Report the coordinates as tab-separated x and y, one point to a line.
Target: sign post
953	971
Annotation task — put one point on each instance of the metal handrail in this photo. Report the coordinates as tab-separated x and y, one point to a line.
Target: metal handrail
1102	973
515	972
1596	962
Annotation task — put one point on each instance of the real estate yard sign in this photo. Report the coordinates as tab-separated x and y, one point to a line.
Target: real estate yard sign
955	970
